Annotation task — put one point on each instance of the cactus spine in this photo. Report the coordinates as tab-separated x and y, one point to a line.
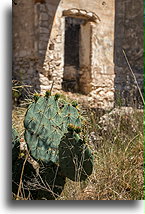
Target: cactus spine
52	127
45	123
75	158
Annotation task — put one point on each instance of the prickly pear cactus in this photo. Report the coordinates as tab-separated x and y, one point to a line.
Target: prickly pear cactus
45	124
75	158
15	144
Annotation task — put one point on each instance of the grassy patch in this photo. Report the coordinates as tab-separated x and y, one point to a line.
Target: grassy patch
118	162
118	168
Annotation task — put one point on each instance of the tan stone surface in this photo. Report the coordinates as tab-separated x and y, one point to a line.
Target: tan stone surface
109	27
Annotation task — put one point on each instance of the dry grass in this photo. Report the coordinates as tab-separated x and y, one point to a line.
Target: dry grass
118	159
118	175
18	114
118	163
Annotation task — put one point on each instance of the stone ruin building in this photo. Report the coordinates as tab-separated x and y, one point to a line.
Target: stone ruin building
78	44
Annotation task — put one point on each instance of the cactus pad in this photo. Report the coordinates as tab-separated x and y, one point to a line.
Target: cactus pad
45	123
75	158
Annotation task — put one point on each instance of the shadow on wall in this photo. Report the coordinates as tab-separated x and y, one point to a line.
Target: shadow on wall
43	25
128	37
31	35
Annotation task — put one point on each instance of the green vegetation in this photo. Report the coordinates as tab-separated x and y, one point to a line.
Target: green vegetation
116	139
45	123
53	137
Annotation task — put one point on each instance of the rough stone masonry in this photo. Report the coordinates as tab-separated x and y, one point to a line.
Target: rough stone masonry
78	45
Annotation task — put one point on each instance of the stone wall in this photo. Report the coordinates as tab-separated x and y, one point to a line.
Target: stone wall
109	26
39	39
25	60
95	75
128	37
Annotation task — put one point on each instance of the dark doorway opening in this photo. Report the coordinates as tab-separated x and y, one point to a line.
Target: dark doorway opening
72	54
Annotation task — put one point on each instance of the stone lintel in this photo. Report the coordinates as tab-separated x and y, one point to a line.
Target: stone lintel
76	13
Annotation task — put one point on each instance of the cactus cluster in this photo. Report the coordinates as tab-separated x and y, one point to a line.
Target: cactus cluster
52	127
46	122
52	133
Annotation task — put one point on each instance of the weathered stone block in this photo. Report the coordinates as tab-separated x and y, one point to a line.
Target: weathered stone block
43	23
43	16
43	45
43	30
